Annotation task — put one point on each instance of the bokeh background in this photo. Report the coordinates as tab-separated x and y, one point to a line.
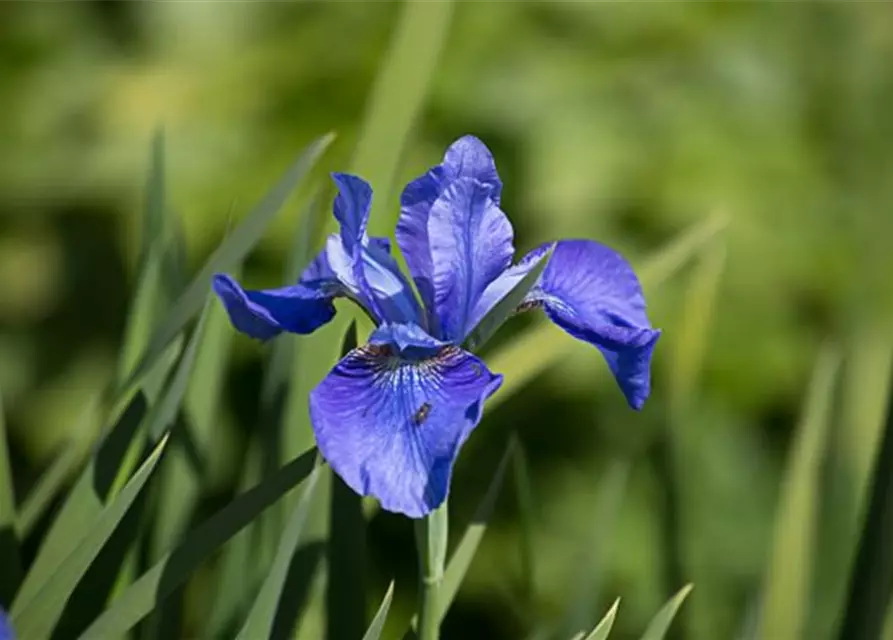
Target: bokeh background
627	123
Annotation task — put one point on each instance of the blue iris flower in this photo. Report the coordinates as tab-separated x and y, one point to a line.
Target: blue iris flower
391	416
5	627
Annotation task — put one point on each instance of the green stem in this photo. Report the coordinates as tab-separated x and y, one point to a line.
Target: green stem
431	542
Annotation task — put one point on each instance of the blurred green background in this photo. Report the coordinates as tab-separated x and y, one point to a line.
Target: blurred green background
619	122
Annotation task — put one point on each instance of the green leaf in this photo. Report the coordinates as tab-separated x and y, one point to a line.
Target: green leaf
259	623
460	561
787	589
603	628
231	251
661	622
10	567
107	471
157	583
543	345
36	617
377	624
506	307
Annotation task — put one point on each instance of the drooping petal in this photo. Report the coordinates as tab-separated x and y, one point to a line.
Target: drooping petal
471	245
366	267
301	308
265	314
468	157
591	292
391	416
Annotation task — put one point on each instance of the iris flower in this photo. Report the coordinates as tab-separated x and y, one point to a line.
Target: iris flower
5	627
391	416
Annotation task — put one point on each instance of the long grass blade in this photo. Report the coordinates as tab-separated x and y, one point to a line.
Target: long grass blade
381	616
603	628
526	516
871	581
35	618
787	589
170	572
660	624
49	485
260	619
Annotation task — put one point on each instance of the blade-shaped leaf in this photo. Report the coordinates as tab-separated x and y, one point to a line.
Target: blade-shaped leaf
35	618
231	251
10	568
167	574
507	306
661	622
524	494
377	624
262	615
603	628
543	345
786	593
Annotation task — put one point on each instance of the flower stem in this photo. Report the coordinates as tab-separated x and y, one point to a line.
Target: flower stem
431	542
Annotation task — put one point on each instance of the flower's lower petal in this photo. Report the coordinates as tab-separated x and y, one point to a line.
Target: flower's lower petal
471	245
391	426
267	313
591	292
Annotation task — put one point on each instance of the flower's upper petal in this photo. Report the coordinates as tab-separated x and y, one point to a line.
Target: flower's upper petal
468	157
390	417
471	245
591	292
364	266
265	314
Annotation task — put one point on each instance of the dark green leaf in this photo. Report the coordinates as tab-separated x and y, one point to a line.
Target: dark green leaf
524	494
36	617
506	307
259	623
157	583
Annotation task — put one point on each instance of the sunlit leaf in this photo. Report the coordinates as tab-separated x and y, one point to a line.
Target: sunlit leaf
377	624
660	624
787	584
36	617
603	628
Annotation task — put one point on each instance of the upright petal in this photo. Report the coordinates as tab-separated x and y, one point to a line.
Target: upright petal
591	292
365	267
471	245
391	417
468	157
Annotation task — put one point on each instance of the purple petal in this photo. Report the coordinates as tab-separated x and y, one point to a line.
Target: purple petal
391	423
265	314
6	632
591	292
467	157
471	245
365	267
